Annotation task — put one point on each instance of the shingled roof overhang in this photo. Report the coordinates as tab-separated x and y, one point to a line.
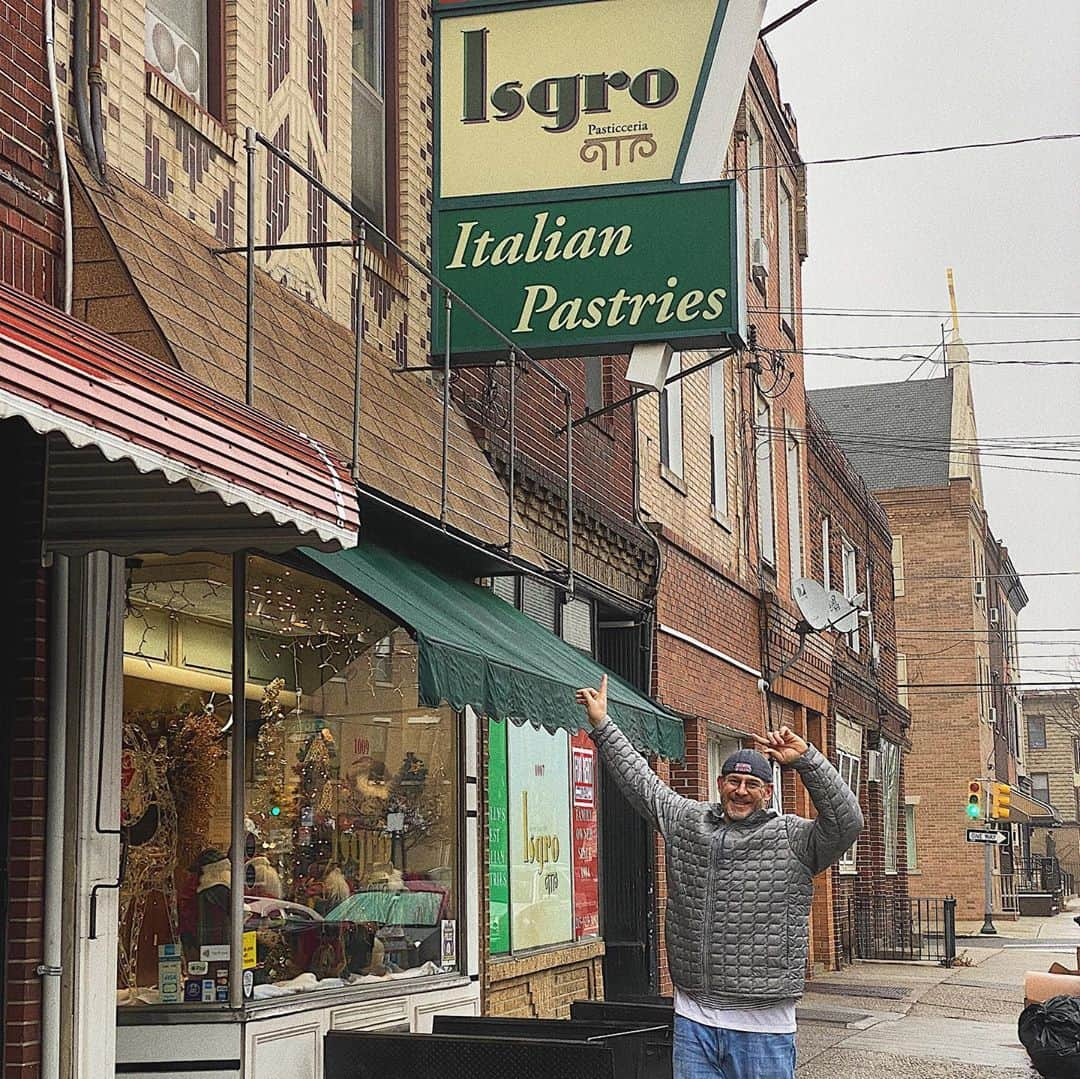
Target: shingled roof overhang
150	458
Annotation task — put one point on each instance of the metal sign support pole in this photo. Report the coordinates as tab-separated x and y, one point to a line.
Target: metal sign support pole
445	412
988	895
358	357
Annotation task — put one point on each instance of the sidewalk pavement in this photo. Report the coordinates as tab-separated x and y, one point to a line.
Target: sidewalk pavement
923	1021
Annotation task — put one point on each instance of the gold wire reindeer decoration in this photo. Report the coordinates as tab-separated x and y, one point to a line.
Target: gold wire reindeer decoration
148	819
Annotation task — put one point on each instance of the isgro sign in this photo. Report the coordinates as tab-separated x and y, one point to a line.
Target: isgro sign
581	275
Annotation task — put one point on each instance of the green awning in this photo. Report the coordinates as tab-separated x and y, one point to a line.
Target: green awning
477	650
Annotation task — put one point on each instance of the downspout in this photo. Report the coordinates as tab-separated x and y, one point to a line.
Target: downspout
61	151
50	969
80	79
96	81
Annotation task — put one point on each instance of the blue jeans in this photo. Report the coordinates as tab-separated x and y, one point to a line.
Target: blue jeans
713	1053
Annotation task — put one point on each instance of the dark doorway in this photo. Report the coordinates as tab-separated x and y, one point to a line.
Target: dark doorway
627	894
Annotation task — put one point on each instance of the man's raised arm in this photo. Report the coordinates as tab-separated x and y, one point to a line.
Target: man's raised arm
819	842
643	788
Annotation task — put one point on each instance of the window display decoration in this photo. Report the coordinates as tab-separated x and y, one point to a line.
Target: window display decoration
149	835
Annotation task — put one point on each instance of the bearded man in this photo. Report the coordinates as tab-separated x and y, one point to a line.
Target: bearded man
740	884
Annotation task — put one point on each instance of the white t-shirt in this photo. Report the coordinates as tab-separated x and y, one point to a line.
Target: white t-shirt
776	1018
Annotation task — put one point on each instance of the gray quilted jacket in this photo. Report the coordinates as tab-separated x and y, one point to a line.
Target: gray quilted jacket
739	892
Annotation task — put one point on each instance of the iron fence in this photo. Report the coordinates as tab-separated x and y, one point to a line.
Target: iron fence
1042	875
900	928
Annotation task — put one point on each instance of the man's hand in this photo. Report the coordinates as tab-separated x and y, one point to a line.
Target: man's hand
783	746
594	701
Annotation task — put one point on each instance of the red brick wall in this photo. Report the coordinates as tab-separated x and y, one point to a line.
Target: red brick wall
24	746
30	220
603	448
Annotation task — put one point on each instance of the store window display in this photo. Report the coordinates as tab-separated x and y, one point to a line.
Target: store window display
350	801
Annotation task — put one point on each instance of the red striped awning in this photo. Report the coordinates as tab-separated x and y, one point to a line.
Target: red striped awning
63	376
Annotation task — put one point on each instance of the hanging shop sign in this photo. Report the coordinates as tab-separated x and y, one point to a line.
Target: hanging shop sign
579	152
585	275
586	846
543	96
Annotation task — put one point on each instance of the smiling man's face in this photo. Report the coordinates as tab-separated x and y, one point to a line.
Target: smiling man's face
742	795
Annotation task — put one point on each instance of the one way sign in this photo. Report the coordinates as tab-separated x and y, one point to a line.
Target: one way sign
977	835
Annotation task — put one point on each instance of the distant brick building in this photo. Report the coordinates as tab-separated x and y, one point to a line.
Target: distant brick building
912	443
1051	739
851	549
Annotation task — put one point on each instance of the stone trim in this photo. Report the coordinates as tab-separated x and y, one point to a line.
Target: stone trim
159	89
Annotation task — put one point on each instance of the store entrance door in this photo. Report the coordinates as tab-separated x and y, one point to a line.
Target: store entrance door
627	879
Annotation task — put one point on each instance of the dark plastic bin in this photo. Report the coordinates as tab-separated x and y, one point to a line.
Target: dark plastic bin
641	1052
656	1011
361	1055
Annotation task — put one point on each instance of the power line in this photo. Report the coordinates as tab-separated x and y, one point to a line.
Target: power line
911	357
988	576
825	311
914	153
933	345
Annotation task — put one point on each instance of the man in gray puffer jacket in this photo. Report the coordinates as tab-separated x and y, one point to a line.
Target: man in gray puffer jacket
740	885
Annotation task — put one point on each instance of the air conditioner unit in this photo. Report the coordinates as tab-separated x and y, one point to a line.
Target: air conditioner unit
980	589
995	616
174	56
759	259
873	766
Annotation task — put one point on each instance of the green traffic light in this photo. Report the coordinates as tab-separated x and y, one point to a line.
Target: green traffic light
973	810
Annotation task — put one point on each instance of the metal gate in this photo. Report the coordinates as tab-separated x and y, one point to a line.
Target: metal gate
900	928
627	850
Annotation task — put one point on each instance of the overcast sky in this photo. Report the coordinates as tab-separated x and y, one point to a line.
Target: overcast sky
870	77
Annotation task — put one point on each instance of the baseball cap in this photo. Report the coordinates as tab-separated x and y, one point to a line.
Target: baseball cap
748	762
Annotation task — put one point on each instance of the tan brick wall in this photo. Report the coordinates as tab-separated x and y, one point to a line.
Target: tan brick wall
197	164
943	630
1061	717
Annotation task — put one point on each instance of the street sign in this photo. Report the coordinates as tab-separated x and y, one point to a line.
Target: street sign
977	835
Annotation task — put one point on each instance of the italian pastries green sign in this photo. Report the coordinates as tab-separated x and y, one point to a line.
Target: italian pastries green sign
579	276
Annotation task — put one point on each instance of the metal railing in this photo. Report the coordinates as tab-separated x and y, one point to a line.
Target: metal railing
363	233
1042	875
900	928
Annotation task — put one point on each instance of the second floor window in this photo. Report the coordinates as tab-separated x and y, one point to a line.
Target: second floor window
851	585
794	507
786	263
369	110
1040	786
763	468
671	431
183	41
718	439
1036	732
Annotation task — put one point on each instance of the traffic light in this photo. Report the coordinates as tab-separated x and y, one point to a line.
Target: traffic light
1000	797
974	802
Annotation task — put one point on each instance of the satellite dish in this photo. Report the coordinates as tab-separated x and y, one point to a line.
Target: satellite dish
844	611
813	602
823	609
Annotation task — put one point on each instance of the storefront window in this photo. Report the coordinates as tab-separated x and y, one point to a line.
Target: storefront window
174	926
351	793
350	803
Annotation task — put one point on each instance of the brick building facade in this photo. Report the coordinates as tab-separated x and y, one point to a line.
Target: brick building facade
1051	742
724	487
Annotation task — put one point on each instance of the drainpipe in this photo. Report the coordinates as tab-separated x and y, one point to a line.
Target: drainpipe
80	81
96	81
61	150
50	969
